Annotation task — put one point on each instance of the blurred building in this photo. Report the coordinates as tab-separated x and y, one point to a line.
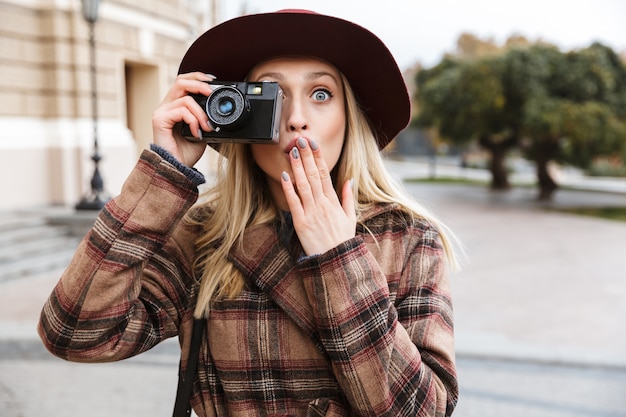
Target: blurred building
46	128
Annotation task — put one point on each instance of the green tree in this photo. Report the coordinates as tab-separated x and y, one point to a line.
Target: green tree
466	101
578	113
570	107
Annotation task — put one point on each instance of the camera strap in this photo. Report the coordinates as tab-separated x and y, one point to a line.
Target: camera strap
182	406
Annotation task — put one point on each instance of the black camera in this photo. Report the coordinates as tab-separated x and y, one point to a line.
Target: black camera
246	112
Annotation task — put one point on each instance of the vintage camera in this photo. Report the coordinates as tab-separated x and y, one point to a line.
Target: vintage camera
246	112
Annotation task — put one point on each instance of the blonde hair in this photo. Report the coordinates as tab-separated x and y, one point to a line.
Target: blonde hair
240	198
372	182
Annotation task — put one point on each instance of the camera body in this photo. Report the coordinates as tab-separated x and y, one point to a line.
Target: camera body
247	112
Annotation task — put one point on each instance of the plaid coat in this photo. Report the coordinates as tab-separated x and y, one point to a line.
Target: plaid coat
362	330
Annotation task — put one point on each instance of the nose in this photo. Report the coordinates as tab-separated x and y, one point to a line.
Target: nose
295	115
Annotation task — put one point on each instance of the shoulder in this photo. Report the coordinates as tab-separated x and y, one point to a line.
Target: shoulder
198	214
407	247
192	225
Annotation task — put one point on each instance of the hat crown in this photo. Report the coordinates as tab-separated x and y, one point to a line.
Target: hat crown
304	11
231	49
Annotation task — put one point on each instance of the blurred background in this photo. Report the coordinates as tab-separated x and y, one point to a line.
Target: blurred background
517	142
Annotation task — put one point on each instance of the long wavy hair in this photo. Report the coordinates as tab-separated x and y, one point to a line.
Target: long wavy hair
240	198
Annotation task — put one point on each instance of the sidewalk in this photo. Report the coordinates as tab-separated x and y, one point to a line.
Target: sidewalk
537	285
34	383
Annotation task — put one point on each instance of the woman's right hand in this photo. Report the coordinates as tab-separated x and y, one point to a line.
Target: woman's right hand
176	107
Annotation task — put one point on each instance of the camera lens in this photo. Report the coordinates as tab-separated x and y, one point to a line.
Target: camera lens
227	107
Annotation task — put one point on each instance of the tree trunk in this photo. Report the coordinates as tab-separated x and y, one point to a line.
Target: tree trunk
497	166
499	175
546	151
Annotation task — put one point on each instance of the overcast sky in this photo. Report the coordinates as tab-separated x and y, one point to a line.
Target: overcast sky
422	31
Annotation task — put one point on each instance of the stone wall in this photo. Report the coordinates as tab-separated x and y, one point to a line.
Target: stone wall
46	127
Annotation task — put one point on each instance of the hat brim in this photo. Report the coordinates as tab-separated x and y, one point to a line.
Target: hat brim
231	49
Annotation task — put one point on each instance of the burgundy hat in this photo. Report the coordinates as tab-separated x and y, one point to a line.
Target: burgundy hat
231	49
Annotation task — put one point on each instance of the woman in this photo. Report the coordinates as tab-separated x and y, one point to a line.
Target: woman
323	286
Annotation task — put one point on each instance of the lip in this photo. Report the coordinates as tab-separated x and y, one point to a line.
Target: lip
292	144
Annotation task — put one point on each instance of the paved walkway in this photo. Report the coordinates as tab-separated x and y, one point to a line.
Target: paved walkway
538	287
537	284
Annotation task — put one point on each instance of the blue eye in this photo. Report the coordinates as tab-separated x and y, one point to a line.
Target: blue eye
322	95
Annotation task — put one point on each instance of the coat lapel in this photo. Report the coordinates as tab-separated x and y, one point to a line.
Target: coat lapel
268	265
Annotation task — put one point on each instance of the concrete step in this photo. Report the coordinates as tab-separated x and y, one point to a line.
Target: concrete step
27	233
15	220
50	242
30	244
33	265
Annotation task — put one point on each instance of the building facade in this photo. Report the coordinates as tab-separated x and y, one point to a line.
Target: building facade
46	126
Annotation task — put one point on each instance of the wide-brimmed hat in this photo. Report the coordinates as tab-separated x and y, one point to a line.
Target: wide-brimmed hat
231	49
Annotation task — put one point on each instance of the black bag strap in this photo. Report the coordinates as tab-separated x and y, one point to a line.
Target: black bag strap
182	406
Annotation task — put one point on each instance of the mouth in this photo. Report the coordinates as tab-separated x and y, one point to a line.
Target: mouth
292	144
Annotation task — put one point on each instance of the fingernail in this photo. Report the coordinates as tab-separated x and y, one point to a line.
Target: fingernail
302	143
352	183
211	76
314	145
199	133
285	176
295	153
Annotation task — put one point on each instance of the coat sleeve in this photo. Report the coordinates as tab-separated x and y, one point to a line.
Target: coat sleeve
391	351
128	285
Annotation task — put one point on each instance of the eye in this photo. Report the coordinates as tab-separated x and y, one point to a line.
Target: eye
322	94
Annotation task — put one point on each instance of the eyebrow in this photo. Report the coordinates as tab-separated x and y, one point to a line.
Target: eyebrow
310	76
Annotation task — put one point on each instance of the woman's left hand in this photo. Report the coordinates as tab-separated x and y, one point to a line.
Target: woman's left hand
319	218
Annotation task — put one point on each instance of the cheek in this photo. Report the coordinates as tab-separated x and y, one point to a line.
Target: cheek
270	159
260	155
332	152
336	137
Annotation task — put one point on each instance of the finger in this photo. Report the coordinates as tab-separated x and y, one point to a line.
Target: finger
195	83
347	199
310	167
194	108
197	75
326	180
168	117
293	201
183	109
302	184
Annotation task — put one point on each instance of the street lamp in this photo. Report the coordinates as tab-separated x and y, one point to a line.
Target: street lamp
96	198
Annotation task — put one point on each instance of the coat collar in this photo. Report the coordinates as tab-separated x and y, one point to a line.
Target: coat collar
269	265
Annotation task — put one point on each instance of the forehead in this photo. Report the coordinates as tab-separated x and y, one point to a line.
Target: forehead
294	64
